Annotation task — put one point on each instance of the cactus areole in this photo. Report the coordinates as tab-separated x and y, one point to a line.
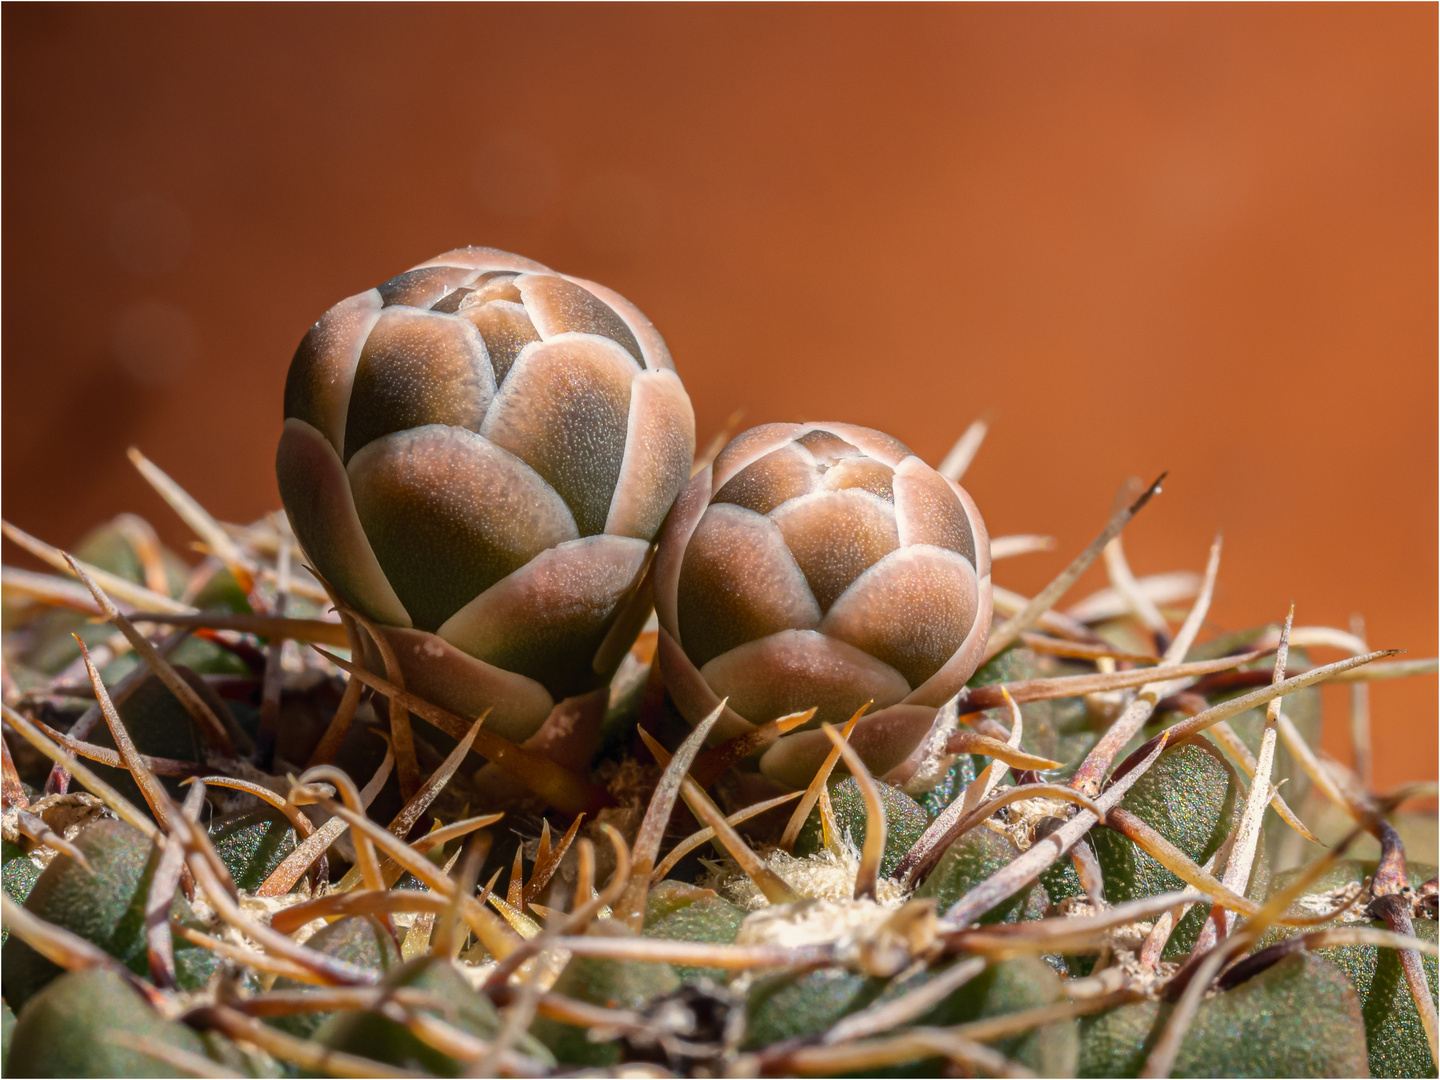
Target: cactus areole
824	565
476	457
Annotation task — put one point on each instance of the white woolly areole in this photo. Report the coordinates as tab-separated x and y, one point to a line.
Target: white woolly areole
1024	815
822	876
1332	901
811	922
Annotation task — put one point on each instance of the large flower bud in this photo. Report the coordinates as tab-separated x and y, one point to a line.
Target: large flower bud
476	456
823	565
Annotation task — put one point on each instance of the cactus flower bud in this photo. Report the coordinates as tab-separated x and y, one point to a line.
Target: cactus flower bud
476	456
824	565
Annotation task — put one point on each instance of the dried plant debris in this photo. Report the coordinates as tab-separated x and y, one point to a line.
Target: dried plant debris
235	854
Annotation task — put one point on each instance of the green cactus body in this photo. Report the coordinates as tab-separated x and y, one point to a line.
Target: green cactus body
1393	1032
52	648
105	905
360	940
1187	797
1298	1018
252	844
372	1035
788	1006
1394	1036
969	861
961	775
791	1006
159	725
64	1031
682	912
1303	709
20	875
610	983
905	821
1007	987
1060	729
669	896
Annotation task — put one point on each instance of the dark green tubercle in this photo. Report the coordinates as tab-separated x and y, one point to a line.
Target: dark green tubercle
1188	798
969	861
961	775
610	983
791	1006
1060	729
359	940
375	1036
1393	1031
905	820
682	912
1298	1018
1010	986
65	1031
160	726
1303	708
252	844
20	875
105	905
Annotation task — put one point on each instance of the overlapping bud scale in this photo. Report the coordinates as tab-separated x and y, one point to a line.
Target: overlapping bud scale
476	456
823	565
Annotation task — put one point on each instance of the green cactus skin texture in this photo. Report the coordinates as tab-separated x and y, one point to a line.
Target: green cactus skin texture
375	1036
107	546
105	905
252	844
159	725
610	983
790	1006
969	861
905	821
63	1032
1393	1032
681	912
20	875
1062	729
1186	797
961	775
1010	986
787	1005
1298	1018
359	940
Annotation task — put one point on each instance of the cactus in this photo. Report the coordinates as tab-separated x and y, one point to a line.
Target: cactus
102	904
1300	1018
379	1038
360	940
905	821
831	815
68	1030
823	565
1394	1031
476	455
252	844
970	861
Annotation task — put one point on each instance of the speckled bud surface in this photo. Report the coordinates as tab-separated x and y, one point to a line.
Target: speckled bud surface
823	565
476	456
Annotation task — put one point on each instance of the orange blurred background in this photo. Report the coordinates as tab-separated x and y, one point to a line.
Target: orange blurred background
1143	237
